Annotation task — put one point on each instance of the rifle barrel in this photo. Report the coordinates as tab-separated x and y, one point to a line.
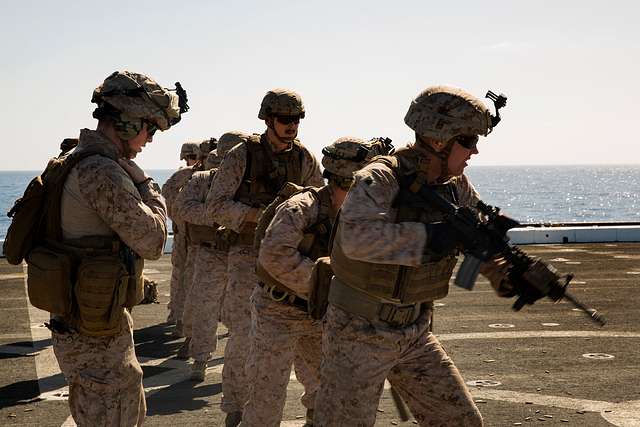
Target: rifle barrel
592	313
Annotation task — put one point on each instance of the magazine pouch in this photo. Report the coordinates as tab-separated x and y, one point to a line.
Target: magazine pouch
101	293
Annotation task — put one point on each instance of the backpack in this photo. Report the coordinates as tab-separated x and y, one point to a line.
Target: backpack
35	216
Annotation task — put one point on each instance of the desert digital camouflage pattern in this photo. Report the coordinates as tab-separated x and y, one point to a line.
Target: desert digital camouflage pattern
99	198
346	155
281	102
355	348
442	112
137	96
228	140
232	214
104	377
190	149
222	209
209	279
170	191
367	218
279	253
281	332
359	354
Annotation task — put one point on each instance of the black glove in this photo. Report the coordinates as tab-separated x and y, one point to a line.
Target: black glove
442	238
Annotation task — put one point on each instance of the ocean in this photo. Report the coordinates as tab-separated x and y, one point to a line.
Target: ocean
530	194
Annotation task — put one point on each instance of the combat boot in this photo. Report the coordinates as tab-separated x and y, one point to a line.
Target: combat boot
177	332
309	417
198	370
183	353
233	419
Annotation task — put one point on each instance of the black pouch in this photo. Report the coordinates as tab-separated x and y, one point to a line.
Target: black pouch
320	283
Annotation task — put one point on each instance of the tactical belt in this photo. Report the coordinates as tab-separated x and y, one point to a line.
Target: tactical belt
359	303
284	297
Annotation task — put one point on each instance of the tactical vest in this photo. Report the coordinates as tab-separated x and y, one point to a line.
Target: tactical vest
266	171
198	234
315	243
88	280
397	283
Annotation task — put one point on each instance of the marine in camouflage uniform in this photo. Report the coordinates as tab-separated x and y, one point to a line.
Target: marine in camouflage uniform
206	293
190	153
281	328
390	261
105	198
249	179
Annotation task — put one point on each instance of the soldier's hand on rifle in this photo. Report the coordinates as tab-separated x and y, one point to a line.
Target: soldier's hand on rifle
442	238
496	271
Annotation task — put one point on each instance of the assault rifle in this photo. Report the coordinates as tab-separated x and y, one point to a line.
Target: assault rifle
485	238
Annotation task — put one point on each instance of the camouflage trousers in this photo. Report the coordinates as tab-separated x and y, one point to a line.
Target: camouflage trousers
279	333
359	355
185	286
178	259
204	300
237	316
104	376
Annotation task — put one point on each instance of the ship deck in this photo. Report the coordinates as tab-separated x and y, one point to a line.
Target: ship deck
545	364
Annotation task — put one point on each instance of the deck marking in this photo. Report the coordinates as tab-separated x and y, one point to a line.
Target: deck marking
536	334
623	414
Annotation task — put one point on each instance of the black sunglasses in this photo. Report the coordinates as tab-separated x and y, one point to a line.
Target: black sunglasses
286	120
467	141
190	157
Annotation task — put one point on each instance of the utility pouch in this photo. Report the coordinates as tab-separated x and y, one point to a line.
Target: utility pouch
49	280
101	292
224	239
320	283
135	287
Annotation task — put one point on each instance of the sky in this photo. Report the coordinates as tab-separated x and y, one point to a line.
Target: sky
569	68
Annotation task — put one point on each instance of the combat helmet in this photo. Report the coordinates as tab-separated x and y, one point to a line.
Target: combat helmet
213	160
442	112
281	102
349	154
190	149
132	99
229	140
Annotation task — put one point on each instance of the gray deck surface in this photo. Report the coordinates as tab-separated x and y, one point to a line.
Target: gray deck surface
532	362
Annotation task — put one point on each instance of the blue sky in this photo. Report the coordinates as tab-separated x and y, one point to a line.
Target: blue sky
570	70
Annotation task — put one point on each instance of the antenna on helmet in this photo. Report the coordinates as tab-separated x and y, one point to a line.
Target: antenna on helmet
499	101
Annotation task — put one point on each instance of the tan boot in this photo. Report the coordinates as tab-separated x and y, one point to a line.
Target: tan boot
198	370
183	353
233	419
309	417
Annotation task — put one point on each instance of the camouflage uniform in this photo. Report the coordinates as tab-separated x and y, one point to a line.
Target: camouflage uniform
170	191
361	348
282	331
100	199
224	209
204	297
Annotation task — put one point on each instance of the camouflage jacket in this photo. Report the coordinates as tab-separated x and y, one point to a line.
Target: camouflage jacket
221	206
369	231
99	198
279	253
189	204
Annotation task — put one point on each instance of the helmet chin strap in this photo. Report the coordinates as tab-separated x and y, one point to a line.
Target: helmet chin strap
275	133
433	154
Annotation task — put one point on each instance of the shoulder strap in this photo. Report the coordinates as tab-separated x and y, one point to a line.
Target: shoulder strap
54	178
